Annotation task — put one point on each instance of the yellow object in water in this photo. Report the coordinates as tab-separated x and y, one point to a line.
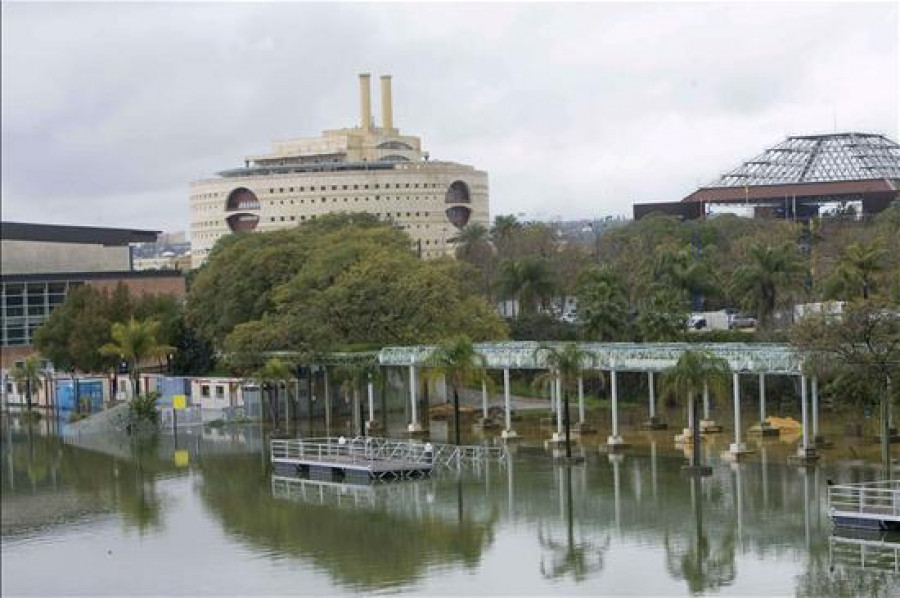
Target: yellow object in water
182	458
787	424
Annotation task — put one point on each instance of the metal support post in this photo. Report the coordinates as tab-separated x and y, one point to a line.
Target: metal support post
508	432
414	425
580	400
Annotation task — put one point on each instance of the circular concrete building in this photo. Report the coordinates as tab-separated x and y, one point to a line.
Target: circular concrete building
363	169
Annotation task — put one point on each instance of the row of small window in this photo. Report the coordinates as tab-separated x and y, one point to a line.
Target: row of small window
378	214
34	311
18	288
312	189
14	301
205	390
356	199
14	334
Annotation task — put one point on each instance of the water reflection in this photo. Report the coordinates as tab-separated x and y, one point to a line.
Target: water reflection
576	558
536	525
702	563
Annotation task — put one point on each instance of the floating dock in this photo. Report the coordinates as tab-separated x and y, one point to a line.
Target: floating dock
869	505
374	458
870	550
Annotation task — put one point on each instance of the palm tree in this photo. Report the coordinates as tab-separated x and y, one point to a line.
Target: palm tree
134	342
505	227
856	269
355	377
469	239
566	362
528	280
773	269
457	361
270	377
663	317
684	270
27	377
473	245
687	377
602	305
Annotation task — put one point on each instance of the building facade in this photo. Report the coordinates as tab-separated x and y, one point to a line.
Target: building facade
368	168
41	263
803	177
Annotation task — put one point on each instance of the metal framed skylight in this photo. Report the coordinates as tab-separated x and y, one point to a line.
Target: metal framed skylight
817	159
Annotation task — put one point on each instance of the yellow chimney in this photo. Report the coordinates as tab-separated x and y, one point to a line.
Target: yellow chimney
365	101
387	108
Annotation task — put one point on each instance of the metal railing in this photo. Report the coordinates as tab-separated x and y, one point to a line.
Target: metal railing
866	500
365	450
868	554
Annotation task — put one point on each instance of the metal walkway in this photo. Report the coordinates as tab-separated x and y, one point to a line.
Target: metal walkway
376	458
865	505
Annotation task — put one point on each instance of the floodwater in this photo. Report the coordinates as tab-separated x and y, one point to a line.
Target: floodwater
204	514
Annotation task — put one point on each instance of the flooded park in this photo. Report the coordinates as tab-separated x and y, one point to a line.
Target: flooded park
204	512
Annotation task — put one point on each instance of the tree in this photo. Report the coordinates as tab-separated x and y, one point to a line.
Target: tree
856	270
271	377
683	269
244	273
504	229
134	342
528	281
773	270
663	317
473	245
566	363
71	335
866	340
27	377
456	361
194	355
357	286
687	377
602	305
356	376
471	238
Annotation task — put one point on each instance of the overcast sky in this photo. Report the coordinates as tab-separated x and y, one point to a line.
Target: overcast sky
110	111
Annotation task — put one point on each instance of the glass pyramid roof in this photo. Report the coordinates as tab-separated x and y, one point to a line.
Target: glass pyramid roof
817	159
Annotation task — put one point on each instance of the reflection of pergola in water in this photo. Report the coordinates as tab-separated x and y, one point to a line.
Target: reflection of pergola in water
760	359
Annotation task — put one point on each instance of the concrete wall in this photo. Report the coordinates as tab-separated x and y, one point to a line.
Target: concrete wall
39	257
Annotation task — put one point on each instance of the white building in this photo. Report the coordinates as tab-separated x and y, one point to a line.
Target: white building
367	168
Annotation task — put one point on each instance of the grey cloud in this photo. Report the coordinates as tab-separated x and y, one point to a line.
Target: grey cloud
573	109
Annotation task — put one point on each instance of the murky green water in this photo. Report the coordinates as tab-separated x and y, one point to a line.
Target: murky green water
208	517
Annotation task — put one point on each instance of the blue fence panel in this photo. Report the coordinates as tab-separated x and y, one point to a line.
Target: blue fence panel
91	388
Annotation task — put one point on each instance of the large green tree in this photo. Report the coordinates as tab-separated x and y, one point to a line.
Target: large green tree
358	286
76	329
865	340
